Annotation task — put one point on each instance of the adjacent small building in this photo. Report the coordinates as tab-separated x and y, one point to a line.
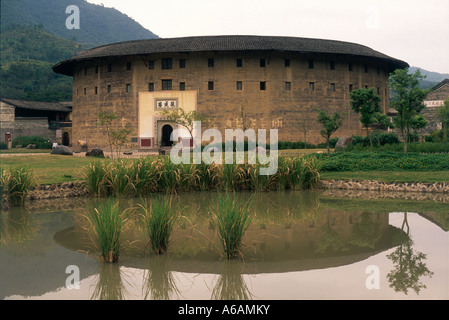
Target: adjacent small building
50	120
433	101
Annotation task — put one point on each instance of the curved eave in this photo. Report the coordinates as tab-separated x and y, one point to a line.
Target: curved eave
229	44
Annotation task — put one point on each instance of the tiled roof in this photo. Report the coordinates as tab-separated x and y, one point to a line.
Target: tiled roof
227	43
39	105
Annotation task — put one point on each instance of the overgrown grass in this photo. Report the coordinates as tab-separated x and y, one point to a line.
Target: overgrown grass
232	218
17	183
128	178
106	221
159	217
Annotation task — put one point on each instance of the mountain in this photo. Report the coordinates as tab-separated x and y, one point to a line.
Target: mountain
27	56
432	78
98	25
34	37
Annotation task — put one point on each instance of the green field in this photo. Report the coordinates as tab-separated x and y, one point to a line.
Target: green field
49	169
57	169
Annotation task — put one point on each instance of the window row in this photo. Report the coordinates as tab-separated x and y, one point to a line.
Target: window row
168	85
167	64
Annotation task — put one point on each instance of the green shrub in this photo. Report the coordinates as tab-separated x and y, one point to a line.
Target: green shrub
332	144
378	139
384	161
40	142
3	146
438	136
421	147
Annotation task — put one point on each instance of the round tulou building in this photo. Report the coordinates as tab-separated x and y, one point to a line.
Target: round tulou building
270	82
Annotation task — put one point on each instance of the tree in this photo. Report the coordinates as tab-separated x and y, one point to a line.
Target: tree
418	123
185	119
407	99
367	103
330	124
117	138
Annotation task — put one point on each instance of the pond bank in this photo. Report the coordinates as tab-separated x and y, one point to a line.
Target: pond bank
79	189
372	185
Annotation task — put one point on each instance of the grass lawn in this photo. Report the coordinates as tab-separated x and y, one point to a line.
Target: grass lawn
49	168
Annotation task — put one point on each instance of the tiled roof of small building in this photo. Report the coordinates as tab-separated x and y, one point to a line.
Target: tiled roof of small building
227	43
39	105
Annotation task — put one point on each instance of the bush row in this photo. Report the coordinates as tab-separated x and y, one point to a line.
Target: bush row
383	161
40	142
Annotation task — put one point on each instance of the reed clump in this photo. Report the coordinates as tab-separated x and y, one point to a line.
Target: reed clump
159	216
17	183
106	222
140	177
232	218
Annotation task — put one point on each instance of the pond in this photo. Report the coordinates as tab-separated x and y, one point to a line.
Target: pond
300	245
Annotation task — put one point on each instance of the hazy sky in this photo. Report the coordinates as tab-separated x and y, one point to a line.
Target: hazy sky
416	31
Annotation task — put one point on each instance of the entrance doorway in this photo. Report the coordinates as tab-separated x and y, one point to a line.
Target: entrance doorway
65	139
8	141
166	135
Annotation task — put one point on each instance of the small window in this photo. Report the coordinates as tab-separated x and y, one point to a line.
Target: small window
262	63
182	86
288	86
351	87
239	85
263	85
239	63
311	64
210	62
151	86
332	65
378	91
287	63
167	64
128	88
182	63
85	91
312	86
110	67
333	87
109	88
151	64
210	85
166	84
350	66
96	90
128	66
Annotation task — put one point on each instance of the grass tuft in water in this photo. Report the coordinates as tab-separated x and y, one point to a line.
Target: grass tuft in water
159	217
232	218
106	222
